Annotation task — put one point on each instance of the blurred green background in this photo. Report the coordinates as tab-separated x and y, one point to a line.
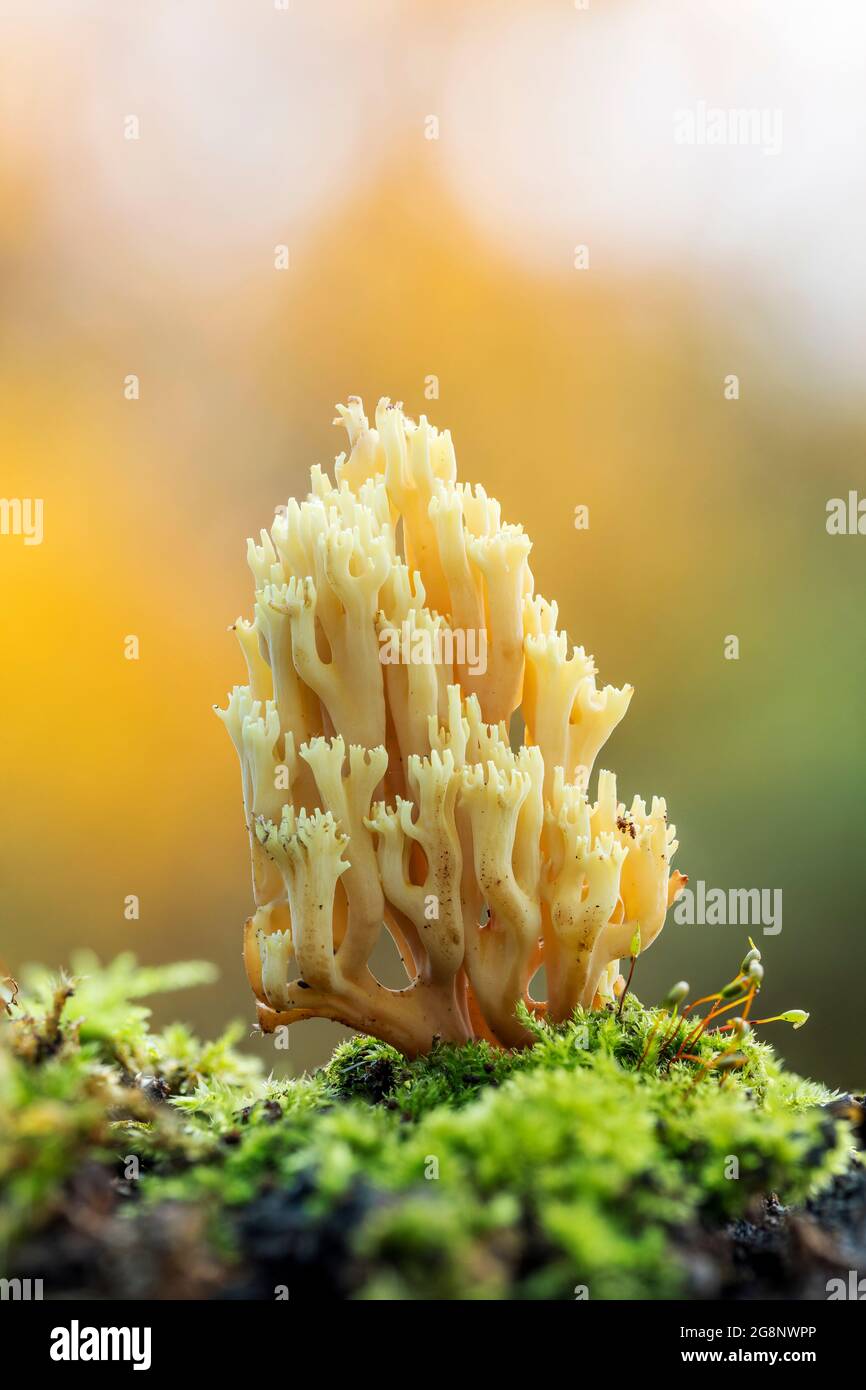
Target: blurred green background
453	257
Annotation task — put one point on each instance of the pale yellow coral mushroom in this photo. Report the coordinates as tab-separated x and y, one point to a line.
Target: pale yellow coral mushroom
382	788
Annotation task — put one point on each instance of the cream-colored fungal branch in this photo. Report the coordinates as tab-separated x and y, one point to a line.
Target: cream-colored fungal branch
417	740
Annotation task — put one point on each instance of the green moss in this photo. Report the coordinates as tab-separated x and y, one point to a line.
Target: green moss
365	1069
482	1174
83	1081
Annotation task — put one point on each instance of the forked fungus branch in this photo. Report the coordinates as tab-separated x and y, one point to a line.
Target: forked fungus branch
396	632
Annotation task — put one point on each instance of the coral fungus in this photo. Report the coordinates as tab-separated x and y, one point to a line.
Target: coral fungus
387	785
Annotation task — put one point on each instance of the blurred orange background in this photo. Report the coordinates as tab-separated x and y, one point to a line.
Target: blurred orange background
451	257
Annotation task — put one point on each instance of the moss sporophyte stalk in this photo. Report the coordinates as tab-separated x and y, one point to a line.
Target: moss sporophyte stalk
430	786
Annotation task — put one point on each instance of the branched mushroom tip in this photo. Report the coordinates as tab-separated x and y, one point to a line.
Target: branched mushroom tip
383	788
